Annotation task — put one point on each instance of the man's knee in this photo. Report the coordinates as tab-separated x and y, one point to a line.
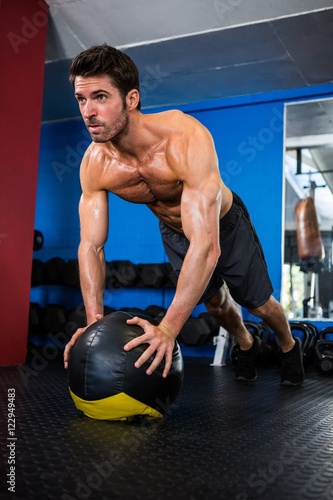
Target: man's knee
218	301
265	309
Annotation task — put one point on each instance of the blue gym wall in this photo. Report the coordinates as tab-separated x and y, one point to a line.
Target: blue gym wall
248	133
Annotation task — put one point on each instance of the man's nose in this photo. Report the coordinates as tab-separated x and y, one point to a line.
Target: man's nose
89	109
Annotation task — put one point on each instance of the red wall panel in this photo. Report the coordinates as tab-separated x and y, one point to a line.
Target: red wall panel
23	26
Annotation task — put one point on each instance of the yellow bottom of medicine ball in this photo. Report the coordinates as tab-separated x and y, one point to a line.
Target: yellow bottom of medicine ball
117	407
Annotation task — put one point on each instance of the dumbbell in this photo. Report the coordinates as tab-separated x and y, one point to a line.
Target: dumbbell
71	275
156	312
53	271
213	325
323	351
171	278
152	275
195	332
121	274
37	276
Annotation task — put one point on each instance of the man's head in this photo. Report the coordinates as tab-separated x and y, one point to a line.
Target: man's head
105	60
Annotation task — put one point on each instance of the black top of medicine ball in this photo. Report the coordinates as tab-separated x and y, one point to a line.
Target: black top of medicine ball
99	367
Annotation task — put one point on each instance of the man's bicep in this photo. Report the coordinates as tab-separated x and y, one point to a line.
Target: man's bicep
94	220
200	209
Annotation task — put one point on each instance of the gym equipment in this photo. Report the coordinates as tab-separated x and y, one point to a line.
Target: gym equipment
311	305
134	311
157	275
108	310
53	271
268	344
195	332
308	350
37	277
323	351
103	381
309	242
152	275
71	273
38	240
221	342
54	318
76	318
171	278
155	312
211	322
300	330
121	273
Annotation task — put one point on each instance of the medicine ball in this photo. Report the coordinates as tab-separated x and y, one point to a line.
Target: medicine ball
103	380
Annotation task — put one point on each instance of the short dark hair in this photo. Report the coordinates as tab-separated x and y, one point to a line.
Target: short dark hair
106	60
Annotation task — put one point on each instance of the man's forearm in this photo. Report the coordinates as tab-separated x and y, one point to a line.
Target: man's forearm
92	280
192	282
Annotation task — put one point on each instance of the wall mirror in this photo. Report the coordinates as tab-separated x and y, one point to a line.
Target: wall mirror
308	172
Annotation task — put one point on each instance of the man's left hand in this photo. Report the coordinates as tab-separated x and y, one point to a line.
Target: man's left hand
161	342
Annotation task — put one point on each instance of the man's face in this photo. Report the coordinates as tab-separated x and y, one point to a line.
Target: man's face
101	106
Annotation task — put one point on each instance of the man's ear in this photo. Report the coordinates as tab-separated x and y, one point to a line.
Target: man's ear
132	99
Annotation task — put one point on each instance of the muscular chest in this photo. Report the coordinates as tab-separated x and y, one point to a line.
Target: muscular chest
148	183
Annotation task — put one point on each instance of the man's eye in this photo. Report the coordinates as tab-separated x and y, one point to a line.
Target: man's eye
101	97
80	99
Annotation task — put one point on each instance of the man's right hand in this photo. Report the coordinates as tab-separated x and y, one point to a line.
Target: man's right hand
73	340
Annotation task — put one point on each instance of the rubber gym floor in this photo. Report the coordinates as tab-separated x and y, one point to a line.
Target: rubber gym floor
221	439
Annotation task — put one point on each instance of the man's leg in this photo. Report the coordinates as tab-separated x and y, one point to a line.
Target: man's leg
274	316
224	310
272	313
222	307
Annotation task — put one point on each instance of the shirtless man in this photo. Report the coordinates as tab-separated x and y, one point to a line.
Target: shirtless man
168	161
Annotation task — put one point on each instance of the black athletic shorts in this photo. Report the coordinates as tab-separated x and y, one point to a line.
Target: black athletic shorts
242	264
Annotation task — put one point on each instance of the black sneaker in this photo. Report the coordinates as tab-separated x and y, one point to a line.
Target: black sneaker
246	362
292	371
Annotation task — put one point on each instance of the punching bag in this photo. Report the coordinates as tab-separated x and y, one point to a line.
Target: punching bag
309	242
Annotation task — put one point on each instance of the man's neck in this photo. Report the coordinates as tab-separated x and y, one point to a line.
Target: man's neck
138	139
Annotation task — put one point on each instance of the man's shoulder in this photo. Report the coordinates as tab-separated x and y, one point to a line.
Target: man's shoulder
169	114
172	116
175	123
95	154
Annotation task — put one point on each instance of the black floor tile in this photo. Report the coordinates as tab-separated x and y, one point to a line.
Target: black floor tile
221	440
